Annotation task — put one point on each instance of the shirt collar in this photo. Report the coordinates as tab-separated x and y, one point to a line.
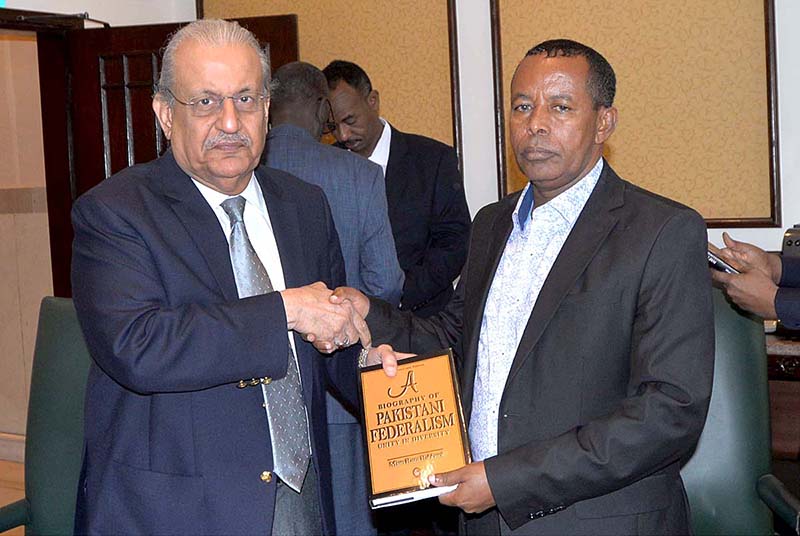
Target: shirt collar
251	194
568	204
380	154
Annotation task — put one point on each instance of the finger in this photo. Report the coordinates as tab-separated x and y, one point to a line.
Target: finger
319	285
729	242
384	355
325	347
362	330
446	479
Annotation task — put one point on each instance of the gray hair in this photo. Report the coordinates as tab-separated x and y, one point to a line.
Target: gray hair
210	32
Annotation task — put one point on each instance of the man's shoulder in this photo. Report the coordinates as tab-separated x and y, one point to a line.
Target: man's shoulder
129	182
643	208
419	143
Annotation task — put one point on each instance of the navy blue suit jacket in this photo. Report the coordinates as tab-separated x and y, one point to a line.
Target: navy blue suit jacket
787	300
172	444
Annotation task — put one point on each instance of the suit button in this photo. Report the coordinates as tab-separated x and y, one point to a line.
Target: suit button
255	381
266	380
266	476
242	384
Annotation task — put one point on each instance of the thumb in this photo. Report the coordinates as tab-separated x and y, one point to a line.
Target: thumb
726	238
445	479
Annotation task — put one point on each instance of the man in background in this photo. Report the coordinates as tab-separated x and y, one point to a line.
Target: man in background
424	190
194	277
354	186
768	285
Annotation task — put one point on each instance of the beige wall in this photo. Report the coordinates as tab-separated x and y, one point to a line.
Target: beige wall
24	241
401	44
691	92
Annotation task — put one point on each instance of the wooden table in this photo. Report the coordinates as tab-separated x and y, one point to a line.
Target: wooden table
783	364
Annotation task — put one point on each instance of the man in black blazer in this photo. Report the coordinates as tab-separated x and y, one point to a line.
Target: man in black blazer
582	409
192	308
424	189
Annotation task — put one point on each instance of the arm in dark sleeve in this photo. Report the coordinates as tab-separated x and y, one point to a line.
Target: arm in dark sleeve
408	333
660	419
141	341
380	271
449	233
790	272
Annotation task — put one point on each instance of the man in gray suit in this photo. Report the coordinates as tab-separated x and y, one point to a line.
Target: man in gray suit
356	192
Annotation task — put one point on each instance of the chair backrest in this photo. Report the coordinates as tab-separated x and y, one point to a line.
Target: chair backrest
54	437
734	448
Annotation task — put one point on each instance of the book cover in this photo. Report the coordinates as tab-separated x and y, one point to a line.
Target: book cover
413	427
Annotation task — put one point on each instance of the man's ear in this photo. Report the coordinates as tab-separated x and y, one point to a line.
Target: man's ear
606	124
374	101
163	112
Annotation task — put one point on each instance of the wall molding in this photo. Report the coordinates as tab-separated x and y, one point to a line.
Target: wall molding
12	447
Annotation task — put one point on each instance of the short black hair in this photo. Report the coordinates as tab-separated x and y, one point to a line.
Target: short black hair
352	74
602	82
297	82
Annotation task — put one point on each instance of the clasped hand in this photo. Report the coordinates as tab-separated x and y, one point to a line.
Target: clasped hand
332	322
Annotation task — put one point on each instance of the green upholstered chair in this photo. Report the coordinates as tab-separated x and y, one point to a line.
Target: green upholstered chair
728	480
54	437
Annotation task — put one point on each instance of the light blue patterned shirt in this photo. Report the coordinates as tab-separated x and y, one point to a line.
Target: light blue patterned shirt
532	247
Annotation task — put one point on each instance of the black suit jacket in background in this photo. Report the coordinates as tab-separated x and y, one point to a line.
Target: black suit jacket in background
429	217
610	385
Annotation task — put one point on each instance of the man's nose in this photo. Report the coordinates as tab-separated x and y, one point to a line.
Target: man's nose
342	132
538	121
228	117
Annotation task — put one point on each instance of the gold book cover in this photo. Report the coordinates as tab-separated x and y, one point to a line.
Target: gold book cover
413	427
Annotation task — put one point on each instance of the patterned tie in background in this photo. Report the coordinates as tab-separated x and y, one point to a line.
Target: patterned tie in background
286	414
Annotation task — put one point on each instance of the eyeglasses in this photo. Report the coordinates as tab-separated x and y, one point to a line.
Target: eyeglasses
329	126
206	105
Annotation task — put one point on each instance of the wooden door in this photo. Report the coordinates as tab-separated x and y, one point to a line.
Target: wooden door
96	88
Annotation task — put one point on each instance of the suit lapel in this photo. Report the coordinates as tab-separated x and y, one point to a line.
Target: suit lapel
200	222
286	228
498	235
395	165
590	231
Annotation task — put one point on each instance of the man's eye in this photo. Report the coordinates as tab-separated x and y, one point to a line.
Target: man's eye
205	102
561	108
522	108
245	99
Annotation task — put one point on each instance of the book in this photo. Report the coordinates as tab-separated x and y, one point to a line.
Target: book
413	427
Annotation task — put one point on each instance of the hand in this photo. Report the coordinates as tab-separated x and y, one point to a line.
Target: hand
356	297
385	355
329	326
748	257
753	291
473	494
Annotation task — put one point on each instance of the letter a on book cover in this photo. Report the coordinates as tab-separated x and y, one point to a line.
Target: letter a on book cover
413	427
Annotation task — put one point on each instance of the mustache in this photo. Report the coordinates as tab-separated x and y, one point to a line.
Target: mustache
225	138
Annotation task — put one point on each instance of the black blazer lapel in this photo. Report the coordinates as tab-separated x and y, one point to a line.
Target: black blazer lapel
496	242
200	222
590	231
395	167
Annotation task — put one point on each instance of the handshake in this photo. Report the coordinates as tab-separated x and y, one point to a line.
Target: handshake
334	319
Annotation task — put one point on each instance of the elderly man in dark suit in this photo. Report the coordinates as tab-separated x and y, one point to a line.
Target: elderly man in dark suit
193	277
354	186
583	326
424	189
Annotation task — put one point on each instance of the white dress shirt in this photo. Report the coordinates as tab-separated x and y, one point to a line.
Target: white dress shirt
380	154
261	234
